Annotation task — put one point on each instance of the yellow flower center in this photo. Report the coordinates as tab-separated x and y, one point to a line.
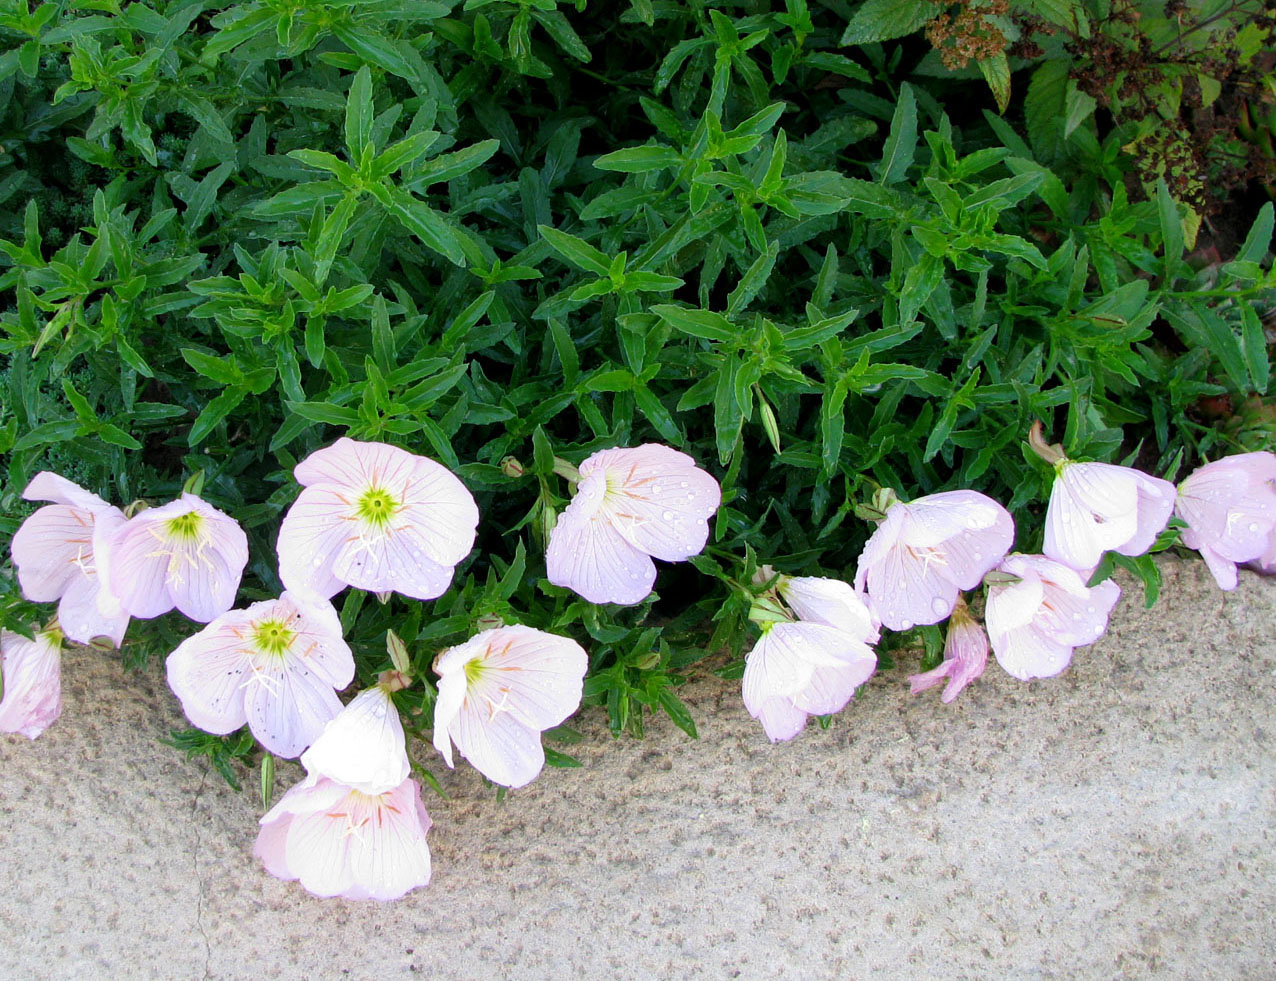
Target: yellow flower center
272	637
376	507
186	527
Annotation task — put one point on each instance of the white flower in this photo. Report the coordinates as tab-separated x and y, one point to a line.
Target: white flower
1100	507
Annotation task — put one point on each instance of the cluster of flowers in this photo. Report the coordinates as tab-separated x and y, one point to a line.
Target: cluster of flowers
373	517
378	518
925	554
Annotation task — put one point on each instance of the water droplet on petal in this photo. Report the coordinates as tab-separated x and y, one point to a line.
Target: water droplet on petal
667	515
1090	609
906	625
317	562
938	607
655	488
682	484
1076	616
1253	528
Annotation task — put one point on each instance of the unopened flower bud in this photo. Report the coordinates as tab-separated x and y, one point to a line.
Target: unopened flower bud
769	424
398	652
511	467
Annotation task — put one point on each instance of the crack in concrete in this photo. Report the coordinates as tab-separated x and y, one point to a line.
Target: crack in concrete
199	881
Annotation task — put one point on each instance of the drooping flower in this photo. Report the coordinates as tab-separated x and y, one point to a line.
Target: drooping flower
926	552
831	602
32	673
965	656
1230	510
339	841
363	747
274	665
1035	623
375	517
798	669
60	554
184	554
631	504
1100	507
498	692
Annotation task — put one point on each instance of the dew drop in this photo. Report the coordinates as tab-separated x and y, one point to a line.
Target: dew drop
682	484
1076	616
667	515
906	625
1090	609
317	562
1253	528
655	488
977	556
938	607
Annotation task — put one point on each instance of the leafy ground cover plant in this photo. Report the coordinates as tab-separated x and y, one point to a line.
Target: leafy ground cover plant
773	238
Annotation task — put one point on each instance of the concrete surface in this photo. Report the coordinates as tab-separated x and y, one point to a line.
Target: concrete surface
1112	823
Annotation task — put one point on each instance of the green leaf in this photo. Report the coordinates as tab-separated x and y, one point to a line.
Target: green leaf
1255	346
325	412
639	159
996	72
375	49
1171	226
576	250
884	20
698	323
426	224
214	412
901	144
678	712
1259	239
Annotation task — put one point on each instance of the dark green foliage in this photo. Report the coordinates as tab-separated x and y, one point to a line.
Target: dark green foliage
235	232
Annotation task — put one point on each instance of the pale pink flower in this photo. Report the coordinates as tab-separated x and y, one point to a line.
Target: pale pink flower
184	554
1230	510
498	692
375	517
1100	507
32	673
797	669
631	504
339	841
831	602
60	553
965	656
1035	623
363	747
274	665
926	552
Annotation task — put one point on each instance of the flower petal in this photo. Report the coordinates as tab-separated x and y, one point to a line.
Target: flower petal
538	676
208	673
497	745
50	549
49	486
312	534
288	706
831	602
32	673
363	747
392	858
588	555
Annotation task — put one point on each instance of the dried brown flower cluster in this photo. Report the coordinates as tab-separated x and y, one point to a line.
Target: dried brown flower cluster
968	35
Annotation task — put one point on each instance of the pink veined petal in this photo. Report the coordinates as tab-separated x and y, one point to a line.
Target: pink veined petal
363	747
1026	654
944	671
1155	505
317	847
49	486
50	549
657	498
588	555
314	793
210	581
32	672
497	745
1076	620
271	847
441	511
781	719
288	706
447	707
830	689
910	587
314	531
209	671
1013	606
831	602
139	571
396	560
937	517
879	546
392	857
775	668
80	613
317	641
1223	570
353	463
965	657
534	675
1073	537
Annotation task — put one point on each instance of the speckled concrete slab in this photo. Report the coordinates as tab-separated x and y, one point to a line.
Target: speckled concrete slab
1115	822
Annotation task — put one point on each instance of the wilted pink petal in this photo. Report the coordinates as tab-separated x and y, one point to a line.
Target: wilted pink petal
800	669
274	666
363	747
32	673
1100	507
630	503
1035	623
965	656
338	841
830	602
185	554
498	692
375	517
927	551
1230	510
60	554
